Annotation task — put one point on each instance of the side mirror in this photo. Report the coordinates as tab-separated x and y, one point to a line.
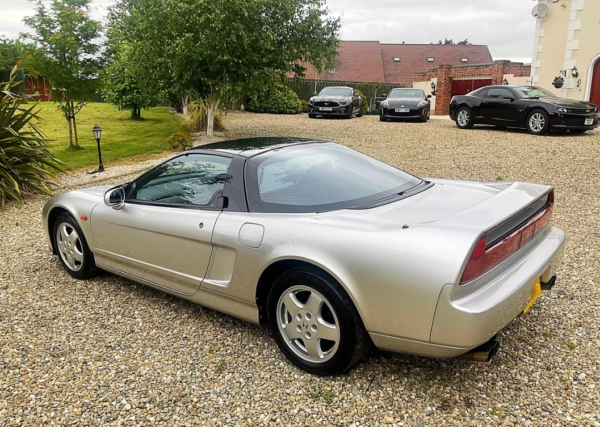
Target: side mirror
314	94
428	96
384	95
115	198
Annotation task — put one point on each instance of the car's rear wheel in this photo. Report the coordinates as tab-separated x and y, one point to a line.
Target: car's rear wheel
72	248
315	323
538	123
464	118
360	110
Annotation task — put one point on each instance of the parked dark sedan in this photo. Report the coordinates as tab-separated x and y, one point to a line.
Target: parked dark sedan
405	104
533	108
335	102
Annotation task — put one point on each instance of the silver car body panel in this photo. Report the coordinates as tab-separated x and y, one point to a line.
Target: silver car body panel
400	263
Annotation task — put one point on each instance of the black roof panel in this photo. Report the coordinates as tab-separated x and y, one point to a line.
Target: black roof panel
248	147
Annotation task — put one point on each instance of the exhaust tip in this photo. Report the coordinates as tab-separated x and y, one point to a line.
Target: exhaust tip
484	353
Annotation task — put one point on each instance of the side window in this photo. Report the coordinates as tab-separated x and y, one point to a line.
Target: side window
482	94
193	179
499	93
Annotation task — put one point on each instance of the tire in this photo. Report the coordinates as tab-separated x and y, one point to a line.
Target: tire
350	113
312	305
312	116
578	131
538	123
72	248
382	119
464	118
426	118
360	111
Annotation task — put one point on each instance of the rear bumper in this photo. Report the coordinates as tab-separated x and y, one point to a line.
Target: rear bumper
469	315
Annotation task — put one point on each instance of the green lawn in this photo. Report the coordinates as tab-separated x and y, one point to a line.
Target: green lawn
122	138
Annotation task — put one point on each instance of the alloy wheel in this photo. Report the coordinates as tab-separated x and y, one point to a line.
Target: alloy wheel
537	121
308	324
69	246
463	118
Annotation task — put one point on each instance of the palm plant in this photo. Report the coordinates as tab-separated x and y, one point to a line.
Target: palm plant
26	165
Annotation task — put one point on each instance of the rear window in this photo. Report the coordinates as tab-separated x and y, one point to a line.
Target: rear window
320	177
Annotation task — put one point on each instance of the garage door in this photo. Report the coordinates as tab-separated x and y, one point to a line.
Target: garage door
595	93
462	87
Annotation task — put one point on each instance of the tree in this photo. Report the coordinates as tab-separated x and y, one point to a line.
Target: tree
125	84
65	50
465	42
208	50
8	54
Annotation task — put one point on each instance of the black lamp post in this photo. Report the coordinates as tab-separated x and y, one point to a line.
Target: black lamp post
97	131
505	81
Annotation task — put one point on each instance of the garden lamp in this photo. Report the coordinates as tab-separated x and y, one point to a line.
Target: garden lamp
97	131
505	81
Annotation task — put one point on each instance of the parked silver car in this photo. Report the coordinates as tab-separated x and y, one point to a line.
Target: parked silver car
331	249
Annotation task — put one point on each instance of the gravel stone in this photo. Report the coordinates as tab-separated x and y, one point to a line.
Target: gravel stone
112	352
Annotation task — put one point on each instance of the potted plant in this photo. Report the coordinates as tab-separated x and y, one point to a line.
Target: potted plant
558	82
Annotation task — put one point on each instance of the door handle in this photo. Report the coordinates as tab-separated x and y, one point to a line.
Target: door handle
201	225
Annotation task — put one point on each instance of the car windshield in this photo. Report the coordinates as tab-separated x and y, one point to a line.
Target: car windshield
533	92
321	177
406	93
336	91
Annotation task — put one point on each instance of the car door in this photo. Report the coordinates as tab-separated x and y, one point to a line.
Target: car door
499	106
163	232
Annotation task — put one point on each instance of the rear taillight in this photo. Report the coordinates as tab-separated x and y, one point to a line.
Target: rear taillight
484	258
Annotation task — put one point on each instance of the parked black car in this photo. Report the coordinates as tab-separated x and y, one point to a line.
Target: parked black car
335	102
533	108
405	104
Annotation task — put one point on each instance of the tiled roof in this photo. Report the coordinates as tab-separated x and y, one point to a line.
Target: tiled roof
371	61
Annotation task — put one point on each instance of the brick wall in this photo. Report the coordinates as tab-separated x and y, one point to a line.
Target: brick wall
446	73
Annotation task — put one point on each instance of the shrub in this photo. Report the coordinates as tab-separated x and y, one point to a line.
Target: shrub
365	102
304	106
197	119
179	141
26	165
274	99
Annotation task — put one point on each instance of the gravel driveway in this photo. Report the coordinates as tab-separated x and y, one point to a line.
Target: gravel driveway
112	352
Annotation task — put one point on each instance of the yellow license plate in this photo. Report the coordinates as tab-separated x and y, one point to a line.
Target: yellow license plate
536	291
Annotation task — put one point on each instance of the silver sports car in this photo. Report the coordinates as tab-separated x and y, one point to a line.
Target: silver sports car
331	249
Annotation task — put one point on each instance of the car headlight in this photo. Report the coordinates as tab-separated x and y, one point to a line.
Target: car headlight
311	101
385	104
344	103
562	110
422	104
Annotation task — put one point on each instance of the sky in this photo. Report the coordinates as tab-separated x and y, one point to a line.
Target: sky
506	26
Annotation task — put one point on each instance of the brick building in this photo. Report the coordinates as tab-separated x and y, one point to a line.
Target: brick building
372	61
447	81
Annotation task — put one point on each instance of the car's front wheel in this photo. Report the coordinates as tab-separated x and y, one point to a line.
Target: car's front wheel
538	123
312	116
464	118
72	248
315	323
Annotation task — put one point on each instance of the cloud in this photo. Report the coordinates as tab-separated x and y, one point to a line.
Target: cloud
506	26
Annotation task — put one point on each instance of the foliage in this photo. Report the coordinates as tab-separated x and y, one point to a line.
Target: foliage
179	141
365	103
464	42
210	49
304	103
122	138
197	118
26	165
275	99
125	85
9	54
65	51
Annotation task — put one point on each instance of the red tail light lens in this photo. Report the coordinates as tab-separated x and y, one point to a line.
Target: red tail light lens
483	259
